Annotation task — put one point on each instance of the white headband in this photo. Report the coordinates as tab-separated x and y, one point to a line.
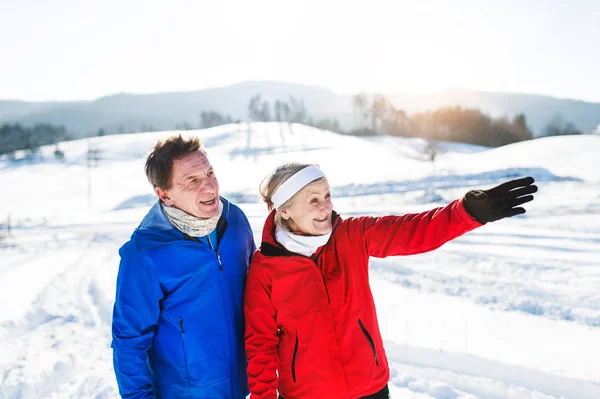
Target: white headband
295	183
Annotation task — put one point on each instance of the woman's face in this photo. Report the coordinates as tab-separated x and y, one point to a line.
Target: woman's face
311	210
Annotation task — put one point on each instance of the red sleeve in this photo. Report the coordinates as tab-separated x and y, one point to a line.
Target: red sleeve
415	233
261	334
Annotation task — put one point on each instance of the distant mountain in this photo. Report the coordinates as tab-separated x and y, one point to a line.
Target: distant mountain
135	112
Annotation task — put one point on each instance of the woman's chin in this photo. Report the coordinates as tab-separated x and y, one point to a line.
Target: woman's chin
322	230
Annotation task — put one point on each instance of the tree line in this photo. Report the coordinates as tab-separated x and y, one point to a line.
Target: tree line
373	115
15	137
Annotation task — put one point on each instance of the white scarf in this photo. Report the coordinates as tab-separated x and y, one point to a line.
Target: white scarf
191	225
303	245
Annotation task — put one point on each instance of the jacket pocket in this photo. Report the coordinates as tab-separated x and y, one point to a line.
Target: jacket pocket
183	348
294	358
370	340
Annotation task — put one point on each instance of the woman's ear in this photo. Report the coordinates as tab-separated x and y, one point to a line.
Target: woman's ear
285	215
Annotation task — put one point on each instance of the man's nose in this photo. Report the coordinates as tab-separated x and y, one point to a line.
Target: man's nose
208	185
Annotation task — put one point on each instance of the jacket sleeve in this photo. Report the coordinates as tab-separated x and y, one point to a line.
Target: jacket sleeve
415	233
135	317
250	234
261	334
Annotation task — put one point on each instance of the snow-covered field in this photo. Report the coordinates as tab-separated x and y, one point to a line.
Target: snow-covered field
510	311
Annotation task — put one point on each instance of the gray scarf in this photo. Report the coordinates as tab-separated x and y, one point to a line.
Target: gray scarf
191	225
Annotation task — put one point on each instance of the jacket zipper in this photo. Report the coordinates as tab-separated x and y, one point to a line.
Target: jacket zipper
316	260
294	358
227	319
371	343
216	252
337	223
232	345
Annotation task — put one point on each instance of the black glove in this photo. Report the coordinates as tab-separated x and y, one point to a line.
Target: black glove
500	201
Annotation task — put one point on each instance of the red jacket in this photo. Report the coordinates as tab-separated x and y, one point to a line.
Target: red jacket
311	325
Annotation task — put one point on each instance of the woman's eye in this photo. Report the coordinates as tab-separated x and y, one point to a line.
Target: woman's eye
313	201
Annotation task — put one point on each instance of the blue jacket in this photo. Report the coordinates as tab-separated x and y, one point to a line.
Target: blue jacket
178	319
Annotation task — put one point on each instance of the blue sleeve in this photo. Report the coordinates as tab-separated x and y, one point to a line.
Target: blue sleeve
248	232
253	249
135	318
252	243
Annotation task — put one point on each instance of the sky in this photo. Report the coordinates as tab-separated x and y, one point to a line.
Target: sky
73	50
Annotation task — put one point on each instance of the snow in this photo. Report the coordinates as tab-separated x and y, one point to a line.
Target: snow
511	310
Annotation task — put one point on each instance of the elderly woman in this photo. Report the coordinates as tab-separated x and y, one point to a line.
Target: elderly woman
311	324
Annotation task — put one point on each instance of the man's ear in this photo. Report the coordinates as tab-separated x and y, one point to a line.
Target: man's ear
164	196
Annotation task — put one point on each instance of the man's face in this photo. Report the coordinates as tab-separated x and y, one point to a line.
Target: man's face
194	187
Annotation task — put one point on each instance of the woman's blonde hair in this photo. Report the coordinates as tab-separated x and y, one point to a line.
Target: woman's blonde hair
273	181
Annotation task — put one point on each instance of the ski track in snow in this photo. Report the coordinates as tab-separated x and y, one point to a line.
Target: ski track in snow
510	311
65	329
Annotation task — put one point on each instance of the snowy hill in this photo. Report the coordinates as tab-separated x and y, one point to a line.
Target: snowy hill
508	311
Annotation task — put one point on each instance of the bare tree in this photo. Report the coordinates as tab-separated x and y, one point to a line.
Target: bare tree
429	152
93	157
278	112
361	109
253	111
298	110
287	115
254	107
278	118
379	111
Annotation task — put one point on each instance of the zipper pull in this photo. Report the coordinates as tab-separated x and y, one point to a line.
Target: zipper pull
181	325
219	259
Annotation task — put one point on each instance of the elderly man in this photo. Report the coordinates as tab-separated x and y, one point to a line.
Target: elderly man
178	324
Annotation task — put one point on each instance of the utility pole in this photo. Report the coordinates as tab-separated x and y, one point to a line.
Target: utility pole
92	160
89	175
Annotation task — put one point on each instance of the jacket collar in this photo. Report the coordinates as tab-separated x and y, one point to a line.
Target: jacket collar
155	229
269	245
221	226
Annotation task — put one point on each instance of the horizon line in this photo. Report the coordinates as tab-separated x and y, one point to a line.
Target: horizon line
167	92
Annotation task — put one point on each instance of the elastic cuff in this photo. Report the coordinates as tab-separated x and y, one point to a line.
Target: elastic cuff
466	213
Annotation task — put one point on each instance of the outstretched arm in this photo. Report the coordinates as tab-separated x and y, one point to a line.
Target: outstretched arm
422	232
